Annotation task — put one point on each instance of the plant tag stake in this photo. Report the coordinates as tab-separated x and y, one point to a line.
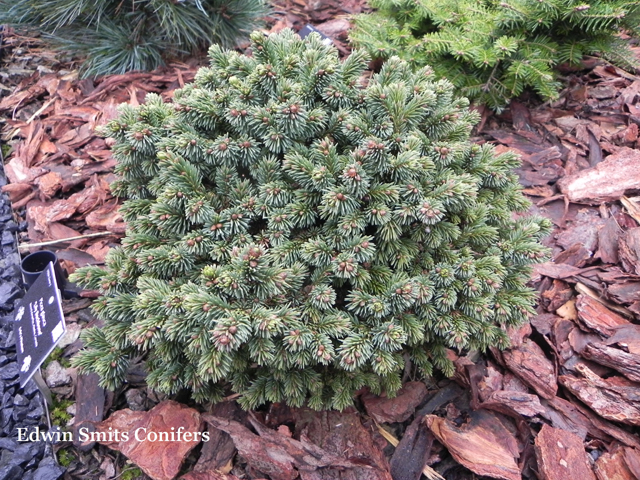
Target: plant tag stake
308	29
39	324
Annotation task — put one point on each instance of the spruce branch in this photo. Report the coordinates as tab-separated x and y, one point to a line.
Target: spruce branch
117	36
465	40
368	239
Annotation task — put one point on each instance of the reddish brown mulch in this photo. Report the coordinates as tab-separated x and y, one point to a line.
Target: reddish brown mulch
59	169
562	402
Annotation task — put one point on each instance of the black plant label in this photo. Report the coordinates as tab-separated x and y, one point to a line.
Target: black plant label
39	324
308	29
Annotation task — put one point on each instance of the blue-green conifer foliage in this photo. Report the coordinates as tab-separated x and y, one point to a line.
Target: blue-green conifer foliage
492	50
299	229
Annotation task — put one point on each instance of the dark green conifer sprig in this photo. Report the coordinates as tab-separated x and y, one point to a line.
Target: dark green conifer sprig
297	235
493	50
118	36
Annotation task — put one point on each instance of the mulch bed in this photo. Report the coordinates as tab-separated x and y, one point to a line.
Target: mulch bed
20	408
560	403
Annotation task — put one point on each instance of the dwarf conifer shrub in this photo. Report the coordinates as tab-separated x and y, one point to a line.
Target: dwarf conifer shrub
492	50
297	235
118	36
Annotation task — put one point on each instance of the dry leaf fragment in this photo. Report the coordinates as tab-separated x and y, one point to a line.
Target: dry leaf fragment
612	466
625	292
17	191
580	420
283	457
161	460
210	475
529	363
106	217
607	181
632	207
608	241
628	337
588	292
483	445
628	364
606	397
49	184
596	317
556	270
629	250
399	408
99	250
508	401
561	455
343	435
